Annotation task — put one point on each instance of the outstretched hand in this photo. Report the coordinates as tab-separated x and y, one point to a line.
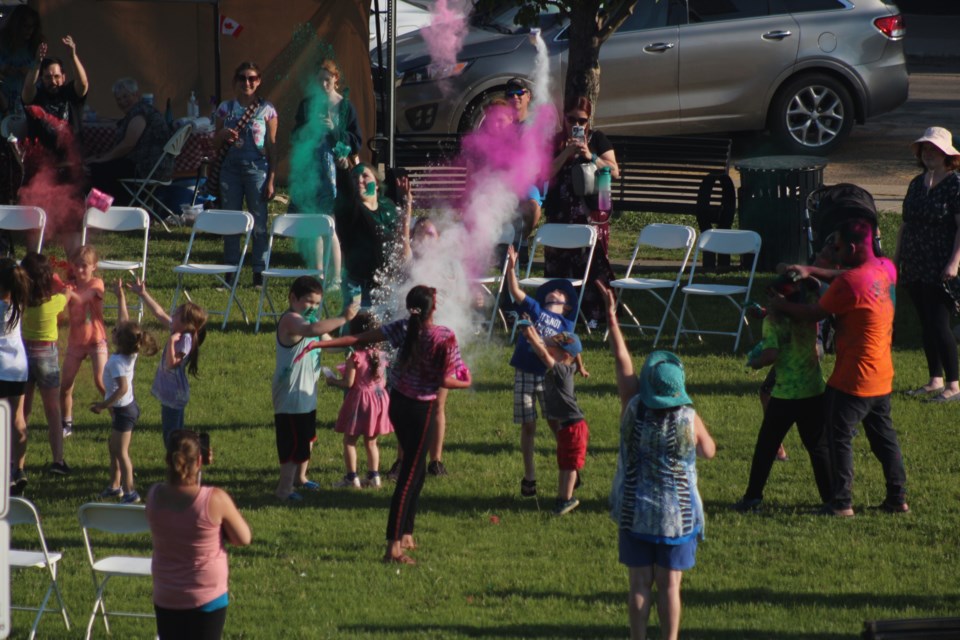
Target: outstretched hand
138	286
511	257
609	298
42	51
68	41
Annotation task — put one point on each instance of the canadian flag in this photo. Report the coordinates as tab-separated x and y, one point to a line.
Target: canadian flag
230	27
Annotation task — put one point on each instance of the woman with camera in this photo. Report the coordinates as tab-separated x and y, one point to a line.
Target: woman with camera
580	149
189	525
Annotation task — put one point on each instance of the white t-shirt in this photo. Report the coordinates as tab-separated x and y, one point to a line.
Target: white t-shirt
119	366
13	357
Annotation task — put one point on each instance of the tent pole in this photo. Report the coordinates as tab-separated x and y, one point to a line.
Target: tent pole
392	81
216	51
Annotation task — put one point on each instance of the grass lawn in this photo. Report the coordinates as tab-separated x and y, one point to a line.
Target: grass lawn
494	565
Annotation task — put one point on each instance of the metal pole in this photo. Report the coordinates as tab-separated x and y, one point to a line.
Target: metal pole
392	81
216	51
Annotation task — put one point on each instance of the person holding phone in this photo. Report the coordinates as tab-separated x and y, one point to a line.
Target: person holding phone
578	144
190	526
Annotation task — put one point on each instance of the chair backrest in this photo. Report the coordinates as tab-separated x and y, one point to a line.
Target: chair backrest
178	140
668	237
566	236
224	223
22	511
729	241
116	219
15	124
22	218
303	225
508	234
114	518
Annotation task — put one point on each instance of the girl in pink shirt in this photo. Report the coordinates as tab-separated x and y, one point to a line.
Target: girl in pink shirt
190	525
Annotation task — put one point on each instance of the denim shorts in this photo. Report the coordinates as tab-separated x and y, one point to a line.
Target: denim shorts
43	364
125	417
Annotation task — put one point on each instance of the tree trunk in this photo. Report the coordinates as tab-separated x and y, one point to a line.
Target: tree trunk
583	62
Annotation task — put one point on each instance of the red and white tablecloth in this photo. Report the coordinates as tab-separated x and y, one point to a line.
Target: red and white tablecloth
99	137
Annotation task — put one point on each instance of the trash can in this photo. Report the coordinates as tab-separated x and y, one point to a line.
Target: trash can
773	195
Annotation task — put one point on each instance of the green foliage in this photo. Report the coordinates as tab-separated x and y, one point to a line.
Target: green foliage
313	570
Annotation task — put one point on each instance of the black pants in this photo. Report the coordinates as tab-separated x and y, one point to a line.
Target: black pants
190	624
106	177
413	422
779	416
939	344
843	412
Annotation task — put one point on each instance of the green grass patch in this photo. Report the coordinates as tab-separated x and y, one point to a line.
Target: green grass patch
313	570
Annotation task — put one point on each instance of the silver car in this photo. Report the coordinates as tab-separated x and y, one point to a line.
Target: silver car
805	70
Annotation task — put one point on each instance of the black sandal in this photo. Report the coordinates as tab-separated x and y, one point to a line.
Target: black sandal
528	488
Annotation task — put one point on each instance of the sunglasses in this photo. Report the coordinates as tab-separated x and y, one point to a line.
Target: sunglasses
574	120
248	79
516	93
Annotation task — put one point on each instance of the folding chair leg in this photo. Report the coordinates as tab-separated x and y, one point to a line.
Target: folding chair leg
263	293
683	312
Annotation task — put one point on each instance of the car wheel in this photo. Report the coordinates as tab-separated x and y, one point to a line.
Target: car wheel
812	114
473	115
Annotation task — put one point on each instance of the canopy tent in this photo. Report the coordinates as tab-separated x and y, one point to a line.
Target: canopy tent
169	47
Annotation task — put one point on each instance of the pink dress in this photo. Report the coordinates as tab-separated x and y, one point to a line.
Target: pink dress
366	406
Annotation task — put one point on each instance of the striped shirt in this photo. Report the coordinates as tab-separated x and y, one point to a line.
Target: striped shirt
437	357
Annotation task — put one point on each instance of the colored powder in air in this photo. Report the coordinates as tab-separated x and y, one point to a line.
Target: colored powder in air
444	37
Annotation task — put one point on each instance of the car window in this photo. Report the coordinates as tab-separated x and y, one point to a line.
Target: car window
800	6
716	10
653	15
503	18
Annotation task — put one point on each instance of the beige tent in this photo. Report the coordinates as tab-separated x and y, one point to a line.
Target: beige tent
169	47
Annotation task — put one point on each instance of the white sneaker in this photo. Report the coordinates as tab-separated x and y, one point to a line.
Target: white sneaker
372	482
346	482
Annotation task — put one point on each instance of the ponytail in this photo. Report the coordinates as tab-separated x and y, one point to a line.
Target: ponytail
194	318
15	282
421	301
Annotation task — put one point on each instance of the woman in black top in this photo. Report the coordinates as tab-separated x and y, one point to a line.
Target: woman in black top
928	252
563	206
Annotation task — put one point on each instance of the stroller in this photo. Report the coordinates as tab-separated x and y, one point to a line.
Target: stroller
829	206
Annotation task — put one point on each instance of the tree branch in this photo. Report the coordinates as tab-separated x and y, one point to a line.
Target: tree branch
617	14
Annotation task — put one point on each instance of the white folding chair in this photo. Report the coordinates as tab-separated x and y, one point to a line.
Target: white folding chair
121	219
222	223
23	218
508	236
117	519
563	236
672	237
725	242
294	225
143	190
22	511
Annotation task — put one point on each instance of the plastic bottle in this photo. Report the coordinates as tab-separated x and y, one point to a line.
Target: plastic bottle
603	189
193	108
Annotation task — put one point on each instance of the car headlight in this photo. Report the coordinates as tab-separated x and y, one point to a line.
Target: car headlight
427	73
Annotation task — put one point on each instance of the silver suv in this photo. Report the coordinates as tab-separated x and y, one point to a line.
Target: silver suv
805	70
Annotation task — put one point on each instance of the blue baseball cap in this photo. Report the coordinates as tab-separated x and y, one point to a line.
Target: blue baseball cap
569	342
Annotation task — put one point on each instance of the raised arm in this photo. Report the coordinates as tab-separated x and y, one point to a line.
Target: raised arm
139	287
536	343
82	84
29	91
122	314
367	337
513	285
627	383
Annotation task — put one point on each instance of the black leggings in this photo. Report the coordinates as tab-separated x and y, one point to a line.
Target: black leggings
190	624
779	416
939	344
413	422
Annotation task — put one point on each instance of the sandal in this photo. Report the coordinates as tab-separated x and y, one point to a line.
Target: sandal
921	391
528	488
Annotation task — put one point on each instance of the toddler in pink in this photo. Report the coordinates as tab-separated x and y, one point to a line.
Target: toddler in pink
365	407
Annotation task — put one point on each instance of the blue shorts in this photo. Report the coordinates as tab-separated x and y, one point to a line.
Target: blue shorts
635	552
125	417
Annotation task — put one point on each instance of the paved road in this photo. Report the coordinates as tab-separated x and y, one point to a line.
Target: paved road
877	155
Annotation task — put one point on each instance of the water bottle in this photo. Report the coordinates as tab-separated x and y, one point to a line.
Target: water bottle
193	109
603	189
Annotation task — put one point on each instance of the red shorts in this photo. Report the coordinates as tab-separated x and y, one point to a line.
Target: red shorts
572	446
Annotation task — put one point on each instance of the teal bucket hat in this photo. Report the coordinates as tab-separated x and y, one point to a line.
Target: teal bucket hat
663	382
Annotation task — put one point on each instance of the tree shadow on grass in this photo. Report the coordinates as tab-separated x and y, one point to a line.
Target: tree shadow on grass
557	631
828	600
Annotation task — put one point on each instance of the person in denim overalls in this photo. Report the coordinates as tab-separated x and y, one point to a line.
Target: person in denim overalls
250	165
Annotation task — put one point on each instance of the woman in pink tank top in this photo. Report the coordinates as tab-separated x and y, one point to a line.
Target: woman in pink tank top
190	525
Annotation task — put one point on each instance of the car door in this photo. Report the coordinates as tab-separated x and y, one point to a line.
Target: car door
731	53
638	71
